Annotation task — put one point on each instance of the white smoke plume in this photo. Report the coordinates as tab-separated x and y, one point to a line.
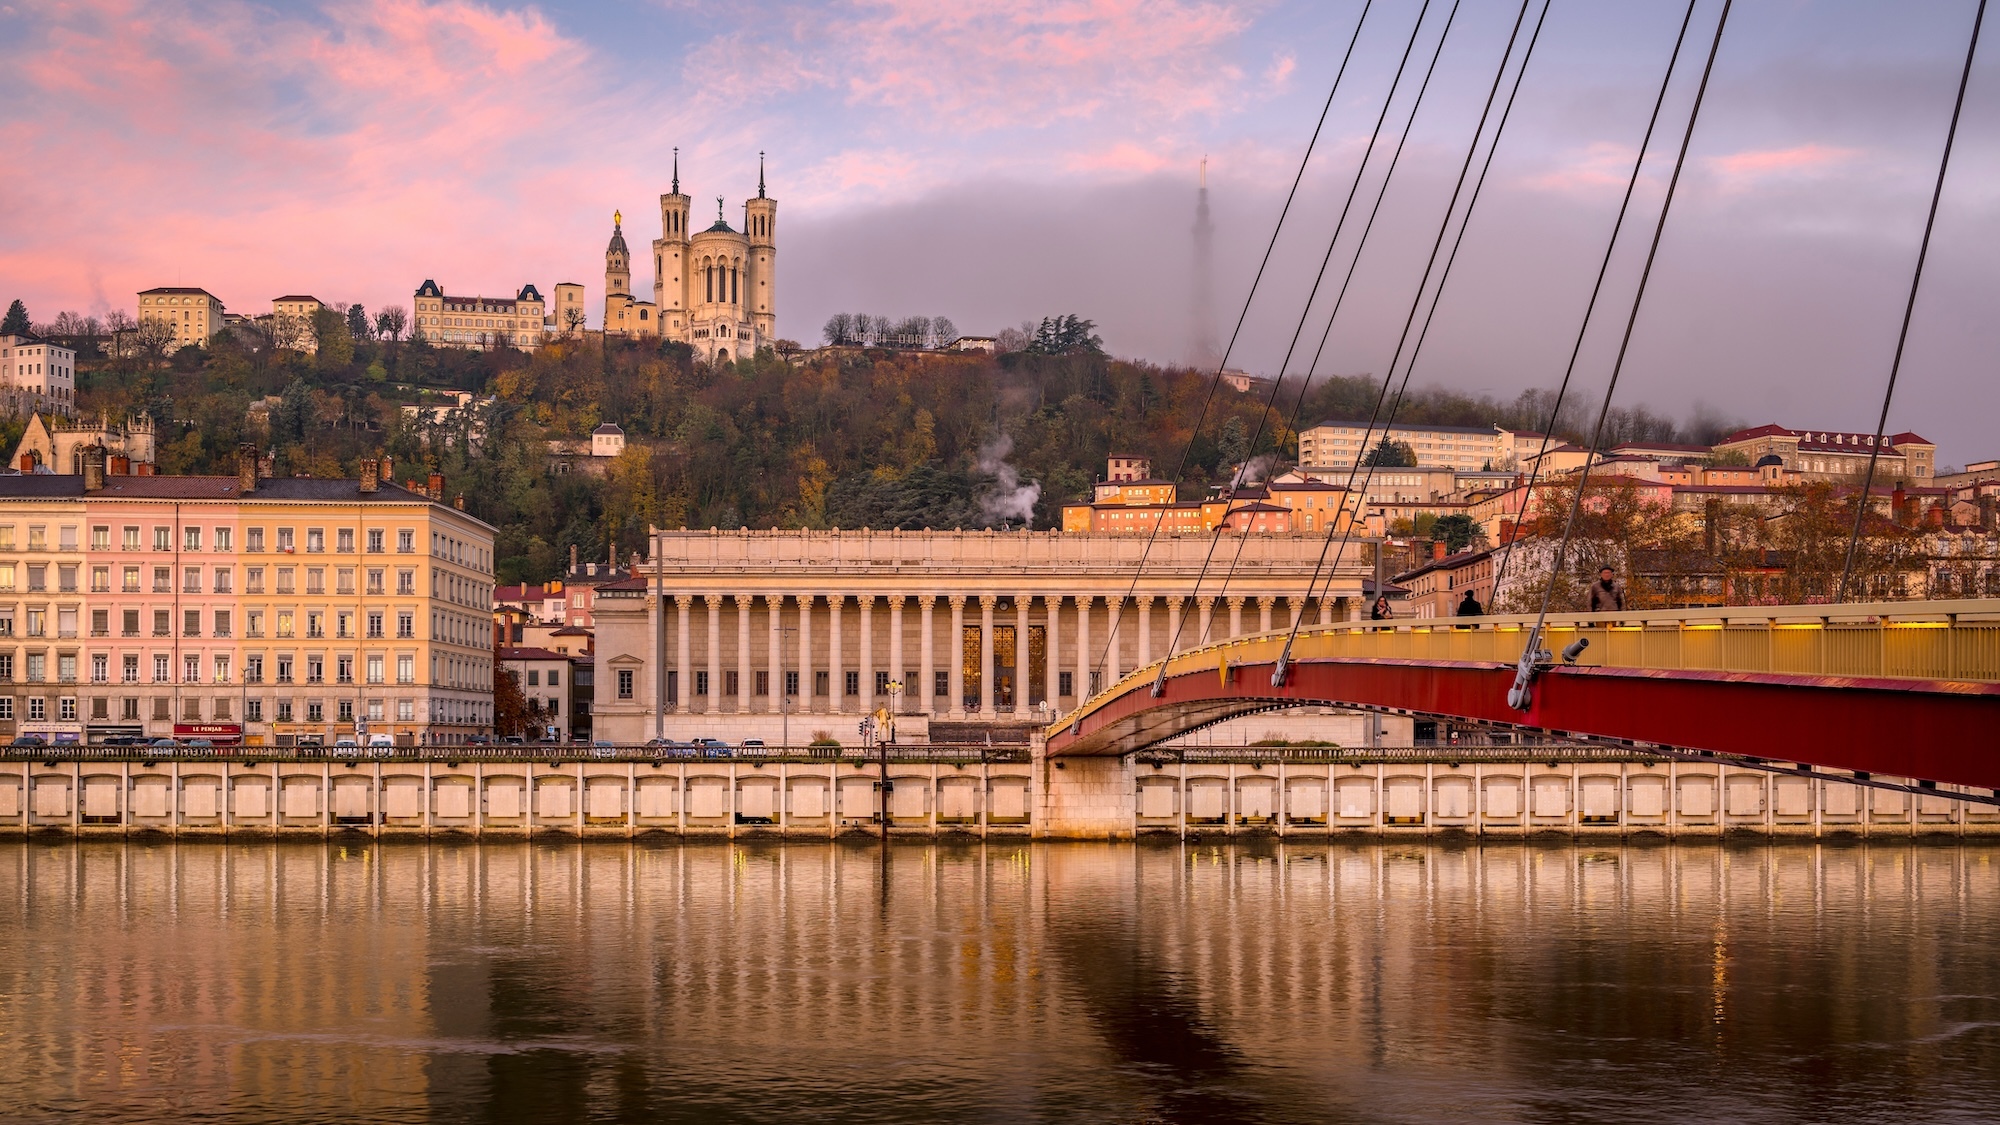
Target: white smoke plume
1255	470
1008	499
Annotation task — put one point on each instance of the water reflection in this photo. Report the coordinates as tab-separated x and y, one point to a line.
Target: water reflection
1269	983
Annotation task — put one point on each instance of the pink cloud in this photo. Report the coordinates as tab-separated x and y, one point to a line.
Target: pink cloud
1603	165
1743	171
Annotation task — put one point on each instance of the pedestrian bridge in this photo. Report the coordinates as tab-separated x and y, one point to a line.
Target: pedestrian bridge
1909	689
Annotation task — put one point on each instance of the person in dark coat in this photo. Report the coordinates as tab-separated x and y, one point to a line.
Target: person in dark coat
1605	596
1470	606
1381	612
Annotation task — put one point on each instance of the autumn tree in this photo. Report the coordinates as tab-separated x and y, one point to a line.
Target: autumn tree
510	704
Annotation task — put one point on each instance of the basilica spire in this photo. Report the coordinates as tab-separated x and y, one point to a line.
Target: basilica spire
760	174
677	169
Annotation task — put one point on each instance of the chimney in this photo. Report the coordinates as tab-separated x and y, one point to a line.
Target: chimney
1898	505
459	502
120	466
371	478
1437	549
27	462
93	468
435	488
572	558
246	469
1933	516
1986	512
386	471
589	569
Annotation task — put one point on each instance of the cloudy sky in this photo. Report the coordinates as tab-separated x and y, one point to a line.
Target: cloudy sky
998	162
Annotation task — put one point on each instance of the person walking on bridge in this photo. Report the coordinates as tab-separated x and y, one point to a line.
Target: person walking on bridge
1470	607
1605	596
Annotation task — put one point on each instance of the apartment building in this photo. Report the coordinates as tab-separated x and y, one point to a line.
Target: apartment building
239	609
36	375
479	322
1341	443
194	314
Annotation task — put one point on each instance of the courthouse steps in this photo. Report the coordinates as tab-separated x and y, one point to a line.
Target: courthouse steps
944	791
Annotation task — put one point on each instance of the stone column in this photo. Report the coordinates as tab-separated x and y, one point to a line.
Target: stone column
1114	640
805	703
1176	620
896	668
1022	665
1235	617
1052	644
955	652
926	653
1326	611
1295	610
1264	605
836	663
986	603
1083	653
1145	617
1207	610
655	686
683	658
867	655
713	704
774	605
743	669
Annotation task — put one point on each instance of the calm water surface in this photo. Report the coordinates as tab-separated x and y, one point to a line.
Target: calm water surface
1270	983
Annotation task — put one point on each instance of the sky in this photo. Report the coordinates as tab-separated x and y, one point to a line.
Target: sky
1002	162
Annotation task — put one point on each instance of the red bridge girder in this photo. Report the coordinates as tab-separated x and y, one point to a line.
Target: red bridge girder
1925	729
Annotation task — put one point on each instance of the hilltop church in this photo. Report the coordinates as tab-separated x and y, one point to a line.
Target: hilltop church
713	290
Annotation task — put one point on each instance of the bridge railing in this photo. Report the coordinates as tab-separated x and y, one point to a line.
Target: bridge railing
951	754
1930	640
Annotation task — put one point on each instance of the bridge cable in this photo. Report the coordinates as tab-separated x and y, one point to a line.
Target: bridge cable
1597	287
1180	621
1518	696
1416	304
1298	406
1083	690
1862	504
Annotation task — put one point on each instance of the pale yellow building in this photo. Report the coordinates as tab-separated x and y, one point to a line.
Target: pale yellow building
1469	448
292	322
36	375
479	322
195	314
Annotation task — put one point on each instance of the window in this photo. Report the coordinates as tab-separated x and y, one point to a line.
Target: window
853	683
100	667
284	623
374	540
163	624
555	679
343	624
284	669
163	580
374	624
100	707
130	539
375	668
406	669
100	622
221	668
406	582
315	580
162	668
222	707
191	669
343	669
222	538
345	712
375	581
66	708
315	711
38	709
941	684
285	540
163	539
7	622
130	672
406	624
315	670
284	710
38	622
253	710
160	707
6	576
624	678
315	541
66	668
344	540
791	683
38	537
190	539
253	624
344	580
406	710
253	540
253	669
222	623
129	580
66	537
374	710
66	578
881	683
222	580
1065	683
190	580
701	683
406	541
38	579
534	678
253	579
315	624
287	580
191	708
100	538
761	684
190	623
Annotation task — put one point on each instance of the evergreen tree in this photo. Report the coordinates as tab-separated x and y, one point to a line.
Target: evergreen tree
1391	455
16	323
357	321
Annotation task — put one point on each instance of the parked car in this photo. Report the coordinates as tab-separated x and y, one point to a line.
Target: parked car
602	749
199	743
35	740
346	747
481	740
752	744
711	747
510	740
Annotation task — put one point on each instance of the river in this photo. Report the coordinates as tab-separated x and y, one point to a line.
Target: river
1559	982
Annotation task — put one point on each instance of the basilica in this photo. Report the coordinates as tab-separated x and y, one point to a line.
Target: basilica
712	289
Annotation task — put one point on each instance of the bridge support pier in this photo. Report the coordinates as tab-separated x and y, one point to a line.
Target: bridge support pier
1083	798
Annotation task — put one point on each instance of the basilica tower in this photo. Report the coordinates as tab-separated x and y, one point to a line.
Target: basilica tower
760	219
617	261
670	257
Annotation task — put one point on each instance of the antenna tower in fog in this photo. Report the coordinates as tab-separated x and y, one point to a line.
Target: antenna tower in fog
1202	349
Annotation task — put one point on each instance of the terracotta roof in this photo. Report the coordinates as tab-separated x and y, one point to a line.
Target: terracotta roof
530	654
178	289
297	297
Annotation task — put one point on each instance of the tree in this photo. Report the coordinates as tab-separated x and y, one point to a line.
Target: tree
1389	454
391	322
336	344
839	329
943	331
1066	335
510	705
357	321
1458	531
16	323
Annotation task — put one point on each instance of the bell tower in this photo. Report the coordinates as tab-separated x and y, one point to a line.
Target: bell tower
670	259
760	217
617	261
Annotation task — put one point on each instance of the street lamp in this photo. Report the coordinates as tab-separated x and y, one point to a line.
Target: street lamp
885	733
